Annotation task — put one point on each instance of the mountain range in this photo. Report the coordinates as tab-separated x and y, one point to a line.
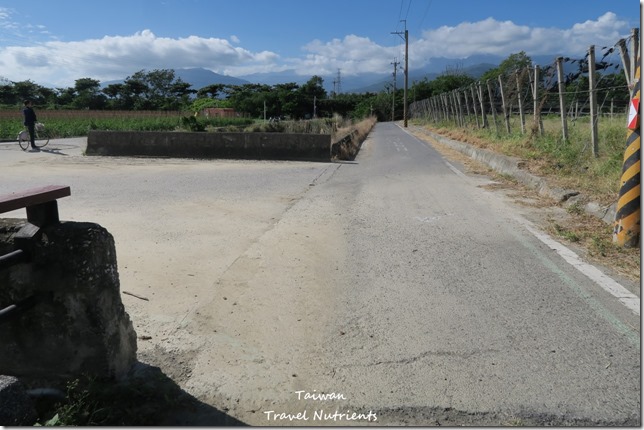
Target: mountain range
474	66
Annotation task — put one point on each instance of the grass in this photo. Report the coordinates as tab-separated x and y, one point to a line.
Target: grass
570	162
95	402
63	124
356	134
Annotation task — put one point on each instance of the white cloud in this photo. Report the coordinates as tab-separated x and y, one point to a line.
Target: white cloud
353	54
115	57
504	37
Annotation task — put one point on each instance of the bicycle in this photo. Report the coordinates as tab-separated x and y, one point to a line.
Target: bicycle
42	137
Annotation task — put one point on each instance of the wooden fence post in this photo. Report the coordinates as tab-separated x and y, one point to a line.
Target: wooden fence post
626	61
520	101
506	115
476	111
562	104
635	49
492	107
594	134
452	97
481	96
446	107
461	119
538	125
467	105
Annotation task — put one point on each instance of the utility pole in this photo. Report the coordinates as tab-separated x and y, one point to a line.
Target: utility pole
393	97
336	85
406	33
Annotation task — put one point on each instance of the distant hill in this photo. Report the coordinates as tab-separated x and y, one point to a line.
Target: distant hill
273	78
197	78
200	78
474	66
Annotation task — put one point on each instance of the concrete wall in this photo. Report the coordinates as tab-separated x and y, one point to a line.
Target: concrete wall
256	146
78	324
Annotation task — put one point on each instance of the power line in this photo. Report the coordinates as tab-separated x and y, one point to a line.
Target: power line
407	14
420	26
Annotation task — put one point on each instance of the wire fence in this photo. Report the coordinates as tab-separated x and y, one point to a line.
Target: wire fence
570	88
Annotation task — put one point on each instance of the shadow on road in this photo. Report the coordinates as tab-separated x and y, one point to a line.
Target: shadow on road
55	151
181	408
145	397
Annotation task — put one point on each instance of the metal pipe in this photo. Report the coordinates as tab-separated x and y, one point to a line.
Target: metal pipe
14	257
14	310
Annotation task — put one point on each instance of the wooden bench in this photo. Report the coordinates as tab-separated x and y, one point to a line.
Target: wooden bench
41	205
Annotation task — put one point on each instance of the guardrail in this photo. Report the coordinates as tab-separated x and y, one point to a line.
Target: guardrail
42	210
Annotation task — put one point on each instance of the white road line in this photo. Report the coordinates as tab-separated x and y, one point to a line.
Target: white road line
628	299
455	170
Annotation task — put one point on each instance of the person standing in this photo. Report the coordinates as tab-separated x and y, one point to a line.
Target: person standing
30	123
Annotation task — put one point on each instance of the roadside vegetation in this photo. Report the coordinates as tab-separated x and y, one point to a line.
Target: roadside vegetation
570	163
159	101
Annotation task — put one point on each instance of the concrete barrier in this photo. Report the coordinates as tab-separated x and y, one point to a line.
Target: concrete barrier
76	323
254	146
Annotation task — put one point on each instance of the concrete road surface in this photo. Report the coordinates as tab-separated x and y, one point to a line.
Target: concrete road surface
392	290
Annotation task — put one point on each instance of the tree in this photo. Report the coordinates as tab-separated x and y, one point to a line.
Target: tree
158	89
65	96
212	91
376	104
309	93
449	82
8	95
422	89
200	104
29	90
248	98
88	94
508	66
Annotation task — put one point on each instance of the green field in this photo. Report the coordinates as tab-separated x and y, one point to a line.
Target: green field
62	123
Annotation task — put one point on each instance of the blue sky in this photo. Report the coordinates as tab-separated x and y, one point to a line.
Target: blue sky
56	42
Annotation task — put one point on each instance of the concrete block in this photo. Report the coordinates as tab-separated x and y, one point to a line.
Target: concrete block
205	145
78	324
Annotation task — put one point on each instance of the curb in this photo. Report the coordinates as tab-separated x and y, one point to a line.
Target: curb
512	166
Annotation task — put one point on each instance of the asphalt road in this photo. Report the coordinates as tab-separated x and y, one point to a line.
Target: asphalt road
395	285
450	304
